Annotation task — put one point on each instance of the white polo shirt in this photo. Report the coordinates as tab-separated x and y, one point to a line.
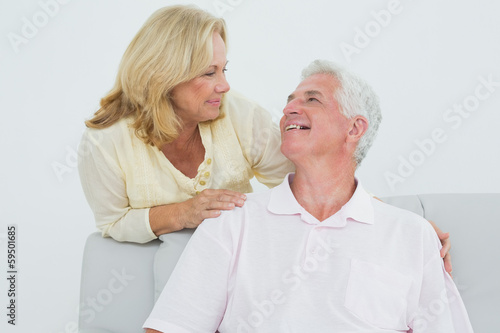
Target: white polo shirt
270	266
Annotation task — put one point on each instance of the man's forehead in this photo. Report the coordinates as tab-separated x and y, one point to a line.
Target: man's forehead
317	84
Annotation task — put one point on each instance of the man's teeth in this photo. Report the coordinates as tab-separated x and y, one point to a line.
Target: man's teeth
289	127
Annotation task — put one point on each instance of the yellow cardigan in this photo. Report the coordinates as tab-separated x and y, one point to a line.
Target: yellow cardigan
122	177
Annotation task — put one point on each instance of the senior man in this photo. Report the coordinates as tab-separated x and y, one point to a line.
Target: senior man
316	253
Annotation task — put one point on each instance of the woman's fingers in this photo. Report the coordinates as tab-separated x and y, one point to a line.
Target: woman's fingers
223	199
445	250
210	203
445	241
444	237
447	263
226	195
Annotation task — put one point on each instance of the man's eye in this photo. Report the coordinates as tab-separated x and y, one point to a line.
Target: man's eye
312	99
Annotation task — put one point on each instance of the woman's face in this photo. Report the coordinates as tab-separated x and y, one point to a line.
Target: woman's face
199	99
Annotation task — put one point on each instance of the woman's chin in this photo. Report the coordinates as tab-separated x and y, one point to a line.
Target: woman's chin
211	116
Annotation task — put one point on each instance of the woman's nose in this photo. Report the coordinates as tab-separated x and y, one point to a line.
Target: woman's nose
222	86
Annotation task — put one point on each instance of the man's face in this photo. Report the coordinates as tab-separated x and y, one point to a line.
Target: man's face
312	125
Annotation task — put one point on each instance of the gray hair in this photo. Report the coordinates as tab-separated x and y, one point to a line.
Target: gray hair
355	97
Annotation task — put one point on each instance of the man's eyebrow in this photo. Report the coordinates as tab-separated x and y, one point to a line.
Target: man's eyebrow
307	94
313	93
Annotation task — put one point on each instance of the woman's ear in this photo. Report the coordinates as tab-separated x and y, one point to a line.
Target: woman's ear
359	125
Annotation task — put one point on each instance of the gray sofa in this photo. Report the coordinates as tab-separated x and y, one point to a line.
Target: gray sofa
117	289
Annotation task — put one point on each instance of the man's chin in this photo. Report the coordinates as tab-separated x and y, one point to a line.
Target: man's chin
292	152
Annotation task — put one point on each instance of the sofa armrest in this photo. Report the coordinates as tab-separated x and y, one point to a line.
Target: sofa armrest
116	292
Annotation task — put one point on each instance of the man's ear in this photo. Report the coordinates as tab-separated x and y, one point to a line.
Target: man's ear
359	125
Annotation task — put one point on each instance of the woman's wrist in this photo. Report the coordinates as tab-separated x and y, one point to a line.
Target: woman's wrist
165	219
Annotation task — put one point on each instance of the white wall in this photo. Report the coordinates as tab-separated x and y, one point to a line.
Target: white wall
422	60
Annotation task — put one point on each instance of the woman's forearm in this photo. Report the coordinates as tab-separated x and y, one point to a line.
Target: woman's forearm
165	219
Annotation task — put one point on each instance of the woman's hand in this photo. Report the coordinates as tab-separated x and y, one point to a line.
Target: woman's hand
190	213
209	204
445	250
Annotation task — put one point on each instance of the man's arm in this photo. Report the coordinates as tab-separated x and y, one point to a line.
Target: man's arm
440	307
194	298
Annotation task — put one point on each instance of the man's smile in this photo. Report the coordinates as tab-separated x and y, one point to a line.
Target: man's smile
295	126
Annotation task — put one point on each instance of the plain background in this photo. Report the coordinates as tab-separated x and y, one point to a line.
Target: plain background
425	60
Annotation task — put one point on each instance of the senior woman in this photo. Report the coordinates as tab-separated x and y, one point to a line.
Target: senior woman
169	146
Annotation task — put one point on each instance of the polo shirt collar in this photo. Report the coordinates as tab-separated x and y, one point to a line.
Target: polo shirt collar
358	209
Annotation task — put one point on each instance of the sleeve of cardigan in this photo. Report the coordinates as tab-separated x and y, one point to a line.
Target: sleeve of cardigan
104	185
260	140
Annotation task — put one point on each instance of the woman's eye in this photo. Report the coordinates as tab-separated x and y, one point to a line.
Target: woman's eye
224	70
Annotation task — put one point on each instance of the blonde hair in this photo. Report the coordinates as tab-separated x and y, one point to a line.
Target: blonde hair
172	47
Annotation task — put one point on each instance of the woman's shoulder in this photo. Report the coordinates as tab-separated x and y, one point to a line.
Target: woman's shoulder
242	110
117	129
115	135
233	97
235	102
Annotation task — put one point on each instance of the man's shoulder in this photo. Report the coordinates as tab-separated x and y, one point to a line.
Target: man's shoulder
387	213
259	199
255	204
405	225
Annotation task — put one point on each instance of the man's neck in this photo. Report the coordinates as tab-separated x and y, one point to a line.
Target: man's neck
322	191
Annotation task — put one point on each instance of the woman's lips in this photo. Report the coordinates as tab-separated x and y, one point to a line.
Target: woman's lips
214	102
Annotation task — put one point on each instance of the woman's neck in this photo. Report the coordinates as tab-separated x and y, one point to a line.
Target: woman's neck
186	153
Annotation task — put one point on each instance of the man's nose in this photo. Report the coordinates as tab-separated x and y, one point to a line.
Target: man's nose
292	107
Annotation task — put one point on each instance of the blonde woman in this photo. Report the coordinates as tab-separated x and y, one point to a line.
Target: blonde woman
169	146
